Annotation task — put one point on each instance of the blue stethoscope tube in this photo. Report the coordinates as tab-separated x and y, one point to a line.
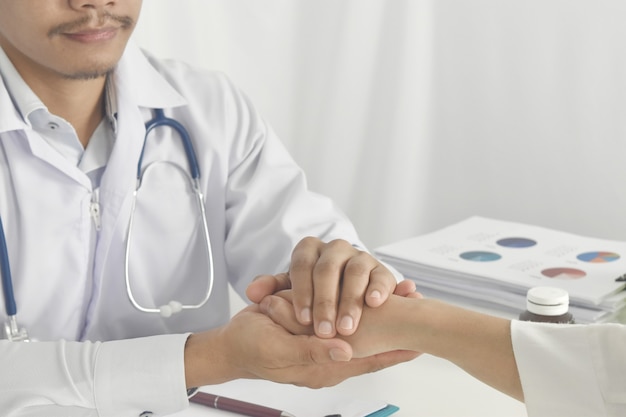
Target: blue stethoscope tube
159	121
7	281
173	306
12	330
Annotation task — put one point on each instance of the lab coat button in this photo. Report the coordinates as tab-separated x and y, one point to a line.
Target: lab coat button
146	414
53	125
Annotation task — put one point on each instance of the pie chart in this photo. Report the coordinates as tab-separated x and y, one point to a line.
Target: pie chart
564	273
598	257
480	256
516	242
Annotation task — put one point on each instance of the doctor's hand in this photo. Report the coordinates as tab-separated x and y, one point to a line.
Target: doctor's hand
331	283
252	346
383	329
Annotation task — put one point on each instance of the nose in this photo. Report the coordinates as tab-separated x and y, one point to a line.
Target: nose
91	4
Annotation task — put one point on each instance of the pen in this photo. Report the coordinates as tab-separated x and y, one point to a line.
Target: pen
236	406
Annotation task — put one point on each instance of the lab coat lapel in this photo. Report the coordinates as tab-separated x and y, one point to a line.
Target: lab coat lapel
139	89
118	181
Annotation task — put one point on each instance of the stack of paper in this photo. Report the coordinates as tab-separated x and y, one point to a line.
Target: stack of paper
492	264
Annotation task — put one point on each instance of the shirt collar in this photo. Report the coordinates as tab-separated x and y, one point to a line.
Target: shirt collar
28	104
16	94
142	83
140	80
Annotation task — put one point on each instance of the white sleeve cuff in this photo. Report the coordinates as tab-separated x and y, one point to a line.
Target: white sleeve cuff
141	375
556	370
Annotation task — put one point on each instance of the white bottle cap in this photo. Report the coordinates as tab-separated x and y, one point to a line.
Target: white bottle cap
547	301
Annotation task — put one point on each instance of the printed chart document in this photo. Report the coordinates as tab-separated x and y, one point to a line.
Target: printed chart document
493	263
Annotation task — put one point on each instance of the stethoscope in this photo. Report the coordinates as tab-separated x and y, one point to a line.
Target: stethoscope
173	306
12	330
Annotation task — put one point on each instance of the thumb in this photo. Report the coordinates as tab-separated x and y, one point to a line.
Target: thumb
405	287
264	285
312	350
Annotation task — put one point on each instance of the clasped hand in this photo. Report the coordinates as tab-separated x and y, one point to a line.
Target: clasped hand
331	283
323	296
326	289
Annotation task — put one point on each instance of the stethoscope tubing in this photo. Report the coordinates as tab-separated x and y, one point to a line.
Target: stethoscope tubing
160	120
12	330
7	281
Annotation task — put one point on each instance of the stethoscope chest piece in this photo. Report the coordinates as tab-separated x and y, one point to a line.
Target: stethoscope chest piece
13	332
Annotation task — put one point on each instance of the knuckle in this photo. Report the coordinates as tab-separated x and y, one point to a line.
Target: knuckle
326	267
307	243
299	263
304	255
357	267
349	301
382	274
336	244
324	305
365	258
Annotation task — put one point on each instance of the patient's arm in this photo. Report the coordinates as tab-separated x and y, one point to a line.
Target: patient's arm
478	343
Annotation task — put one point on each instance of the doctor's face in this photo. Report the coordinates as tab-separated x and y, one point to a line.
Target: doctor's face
72	39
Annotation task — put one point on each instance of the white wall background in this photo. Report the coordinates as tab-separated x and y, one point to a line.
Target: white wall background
413	114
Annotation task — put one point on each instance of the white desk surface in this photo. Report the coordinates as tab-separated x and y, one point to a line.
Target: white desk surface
424	387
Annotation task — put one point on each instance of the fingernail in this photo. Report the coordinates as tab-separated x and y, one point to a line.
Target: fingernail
305	315
325	327
346	323
339	355
376	294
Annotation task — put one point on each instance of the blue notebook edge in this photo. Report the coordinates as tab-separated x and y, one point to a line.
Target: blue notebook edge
383	412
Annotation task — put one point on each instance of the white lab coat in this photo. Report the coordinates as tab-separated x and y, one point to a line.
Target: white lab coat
571	370
69	276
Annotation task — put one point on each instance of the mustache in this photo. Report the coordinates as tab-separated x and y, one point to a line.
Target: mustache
125	22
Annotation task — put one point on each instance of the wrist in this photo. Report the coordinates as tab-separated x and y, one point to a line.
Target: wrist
386	328
451	332
414	319
207	361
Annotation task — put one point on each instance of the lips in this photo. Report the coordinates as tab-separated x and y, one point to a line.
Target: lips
93	35
89	28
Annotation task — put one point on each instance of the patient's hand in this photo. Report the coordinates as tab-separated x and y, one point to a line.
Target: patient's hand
382	329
